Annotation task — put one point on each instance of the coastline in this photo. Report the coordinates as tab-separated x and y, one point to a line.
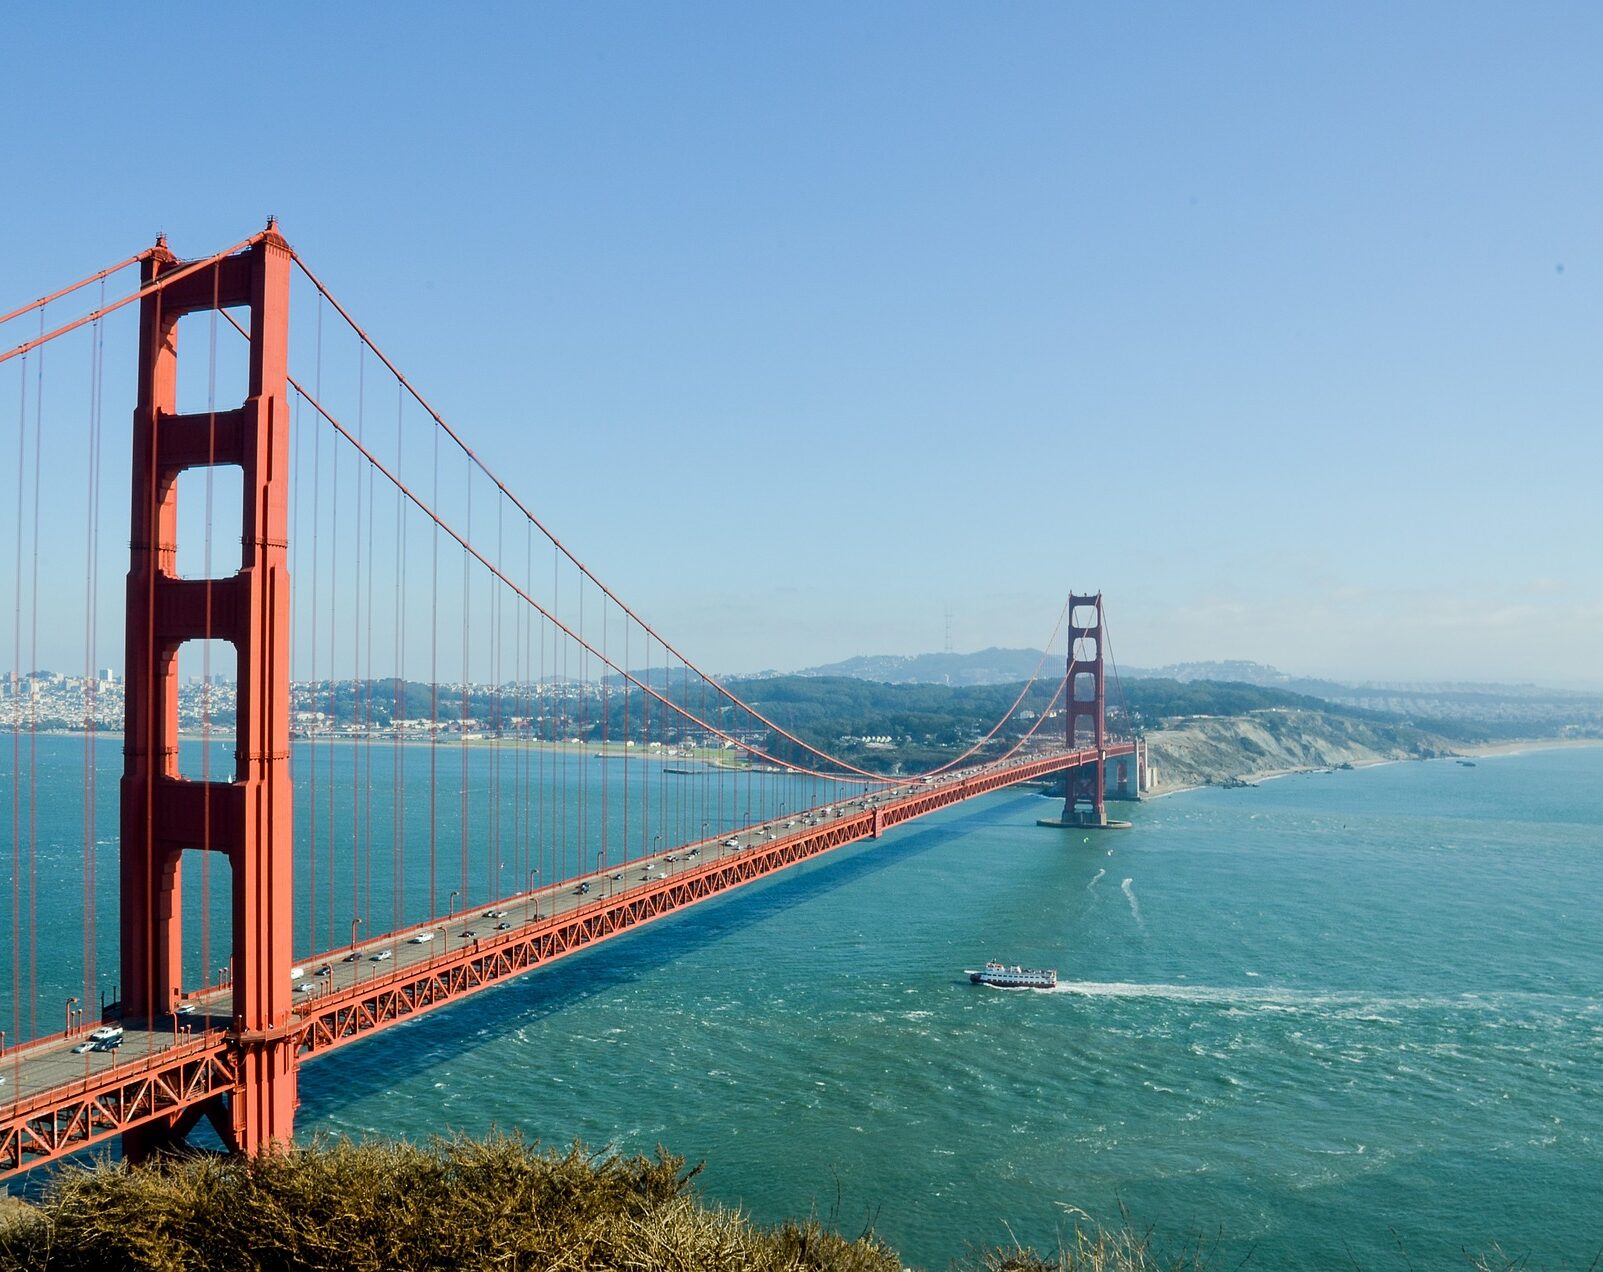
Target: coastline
1492	749
1483	750
1266	775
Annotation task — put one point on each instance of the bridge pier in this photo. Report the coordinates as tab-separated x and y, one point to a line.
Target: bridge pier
1126	774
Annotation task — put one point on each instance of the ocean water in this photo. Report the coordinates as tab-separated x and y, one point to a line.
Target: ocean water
1340	1019
1348	1017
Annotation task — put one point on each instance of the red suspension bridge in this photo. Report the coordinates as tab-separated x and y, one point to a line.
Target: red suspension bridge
264	921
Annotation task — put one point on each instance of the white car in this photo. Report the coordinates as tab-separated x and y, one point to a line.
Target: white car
105	1033
383	956
306	987
83	1047
422	938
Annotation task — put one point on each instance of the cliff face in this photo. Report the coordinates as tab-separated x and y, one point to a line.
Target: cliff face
1216	749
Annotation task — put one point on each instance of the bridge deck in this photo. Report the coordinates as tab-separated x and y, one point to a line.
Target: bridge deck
56	1100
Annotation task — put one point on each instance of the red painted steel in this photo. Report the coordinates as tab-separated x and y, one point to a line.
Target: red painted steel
243	1078
350	1014
248	818
1084	801
172	1089
145	292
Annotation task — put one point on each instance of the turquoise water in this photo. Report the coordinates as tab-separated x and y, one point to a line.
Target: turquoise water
1329	1020
1332	1017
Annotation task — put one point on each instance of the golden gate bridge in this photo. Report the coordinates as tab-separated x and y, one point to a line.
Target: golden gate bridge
408	554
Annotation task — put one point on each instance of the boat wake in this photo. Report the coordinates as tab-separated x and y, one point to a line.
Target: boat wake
1094	879
1351	1003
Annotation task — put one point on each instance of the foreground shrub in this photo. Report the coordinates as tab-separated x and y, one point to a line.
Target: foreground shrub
450	1204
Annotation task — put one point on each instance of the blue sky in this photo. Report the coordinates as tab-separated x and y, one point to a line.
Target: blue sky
803	325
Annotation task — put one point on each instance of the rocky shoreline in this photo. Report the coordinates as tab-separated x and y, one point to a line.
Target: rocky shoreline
1241	750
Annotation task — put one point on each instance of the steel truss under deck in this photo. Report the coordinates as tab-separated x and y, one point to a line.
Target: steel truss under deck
169	1091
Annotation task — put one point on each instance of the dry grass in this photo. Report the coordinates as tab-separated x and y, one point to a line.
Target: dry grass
451	1204
460	1203
1095	1249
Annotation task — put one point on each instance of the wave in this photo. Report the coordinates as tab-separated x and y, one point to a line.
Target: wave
1135	906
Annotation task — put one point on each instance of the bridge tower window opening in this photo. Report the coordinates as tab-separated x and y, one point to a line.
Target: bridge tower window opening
214	372
205	677
205	889
209	495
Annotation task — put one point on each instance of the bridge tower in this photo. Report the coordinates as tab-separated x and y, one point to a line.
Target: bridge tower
248	819
1085	713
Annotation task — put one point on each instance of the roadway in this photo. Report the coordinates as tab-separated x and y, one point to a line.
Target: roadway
388	956
65	1060
58	1101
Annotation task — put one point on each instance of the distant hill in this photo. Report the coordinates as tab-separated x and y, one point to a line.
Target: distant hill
987	667
1235	671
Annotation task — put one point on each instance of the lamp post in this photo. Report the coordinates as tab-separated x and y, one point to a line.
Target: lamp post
355	923
451	909
66	1028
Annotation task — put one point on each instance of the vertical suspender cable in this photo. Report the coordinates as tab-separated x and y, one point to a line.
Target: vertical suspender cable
462	805
91	649
333	659
647	843
33	708
358	751
434	692
369	684
399	711
581	819
560	754
497	613
16	1034
626	741
526	647
311	740
206	648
